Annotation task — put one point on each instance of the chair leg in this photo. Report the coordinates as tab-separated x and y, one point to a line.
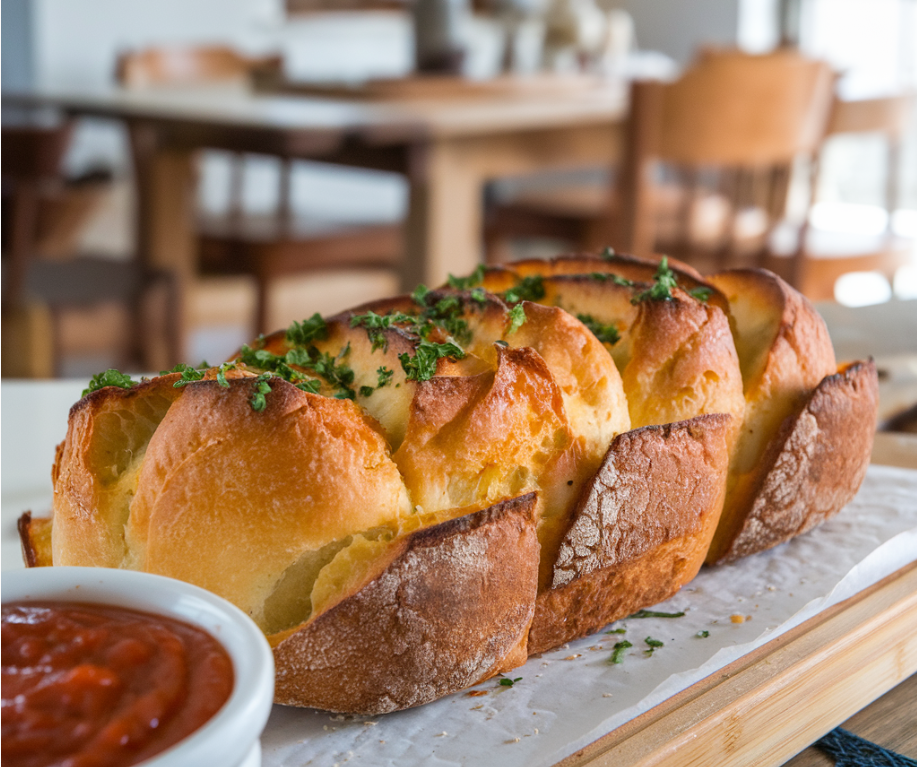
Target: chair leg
22	245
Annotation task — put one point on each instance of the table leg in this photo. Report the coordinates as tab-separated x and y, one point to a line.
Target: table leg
165	225
445	216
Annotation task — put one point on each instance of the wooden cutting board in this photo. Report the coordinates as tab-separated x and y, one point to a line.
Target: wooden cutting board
772	703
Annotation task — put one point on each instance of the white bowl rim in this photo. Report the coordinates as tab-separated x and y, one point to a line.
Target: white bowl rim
230	734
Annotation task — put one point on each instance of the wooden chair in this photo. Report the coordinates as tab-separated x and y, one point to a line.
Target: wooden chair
269	247
827	256
37	293
707	163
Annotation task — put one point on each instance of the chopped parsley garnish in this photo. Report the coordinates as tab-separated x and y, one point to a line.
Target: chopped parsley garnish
262	388
188	374
366	391
607	334
663	282
181	367
479	295
703	634
376	323
339	375
280	365
528	289
617	631
445	313
422	366
110	377
221	374
701	294
385	376
419	295
464	283
373	320
507	682
654	644
516	319
617	655
321	363
606	276
312	329
654	614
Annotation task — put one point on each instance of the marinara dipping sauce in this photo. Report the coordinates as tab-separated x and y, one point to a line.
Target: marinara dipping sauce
96	685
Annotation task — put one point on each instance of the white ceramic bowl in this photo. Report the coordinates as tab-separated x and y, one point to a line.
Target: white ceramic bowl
230	737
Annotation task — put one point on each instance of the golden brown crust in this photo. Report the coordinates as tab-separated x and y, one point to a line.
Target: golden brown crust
641	529
35	540
683	363
676	356
95	472
313	471
477	439
453	608
814	465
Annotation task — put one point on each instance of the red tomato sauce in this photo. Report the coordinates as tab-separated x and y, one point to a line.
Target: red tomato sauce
98	686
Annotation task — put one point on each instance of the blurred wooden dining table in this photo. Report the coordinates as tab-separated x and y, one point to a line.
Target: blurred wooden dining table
448	146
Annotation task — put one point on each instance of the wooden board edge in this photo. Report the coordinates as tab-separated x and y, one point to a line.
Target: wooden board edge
770	704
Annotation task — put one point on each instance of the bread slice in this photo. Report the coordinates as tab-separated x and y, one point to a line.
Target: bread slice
785	353
450	607
95	474
35	539
640	531
810	469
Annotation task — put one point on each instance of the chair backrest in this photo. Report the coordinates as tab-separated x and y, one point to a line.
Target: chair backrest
742	119
188	66
31	166
745	110
889	115
33	153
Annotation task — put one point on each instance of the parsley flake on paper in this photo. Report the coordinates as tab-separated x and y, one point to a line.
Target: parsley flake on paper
654	614
620	648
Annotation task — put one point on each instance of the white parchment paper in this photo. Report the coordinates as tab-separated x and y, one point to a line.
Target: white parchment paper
569	697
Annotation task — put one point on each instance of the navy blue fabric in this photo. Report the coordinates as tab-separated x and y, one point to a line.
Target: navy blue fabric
849	750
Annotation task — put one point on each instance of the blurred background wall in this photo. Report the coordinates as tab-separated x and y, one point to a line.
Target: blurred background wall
75	44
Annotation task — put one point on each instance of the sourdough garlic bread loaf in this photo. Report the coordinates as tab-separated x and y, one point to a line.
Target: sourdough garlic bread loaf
415	495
